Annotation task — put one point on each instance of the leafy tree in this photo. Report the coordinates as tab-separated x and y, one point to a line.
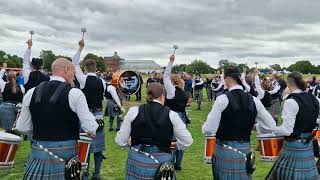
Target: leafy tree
199	66
242	67
11	64
179	68
304	67
48	57
17	60
99	61
276	67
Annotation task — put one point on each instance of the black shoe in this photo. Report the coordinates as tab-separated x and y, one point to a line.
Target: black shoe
96	178
111	129
177	168
117	129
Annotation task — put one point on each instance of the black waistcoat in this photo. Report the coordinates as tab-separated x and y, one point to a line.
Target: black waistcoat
93	90
106	93
9	96
52	117
267	99
306	119
152	126
238	118
179	102
35	78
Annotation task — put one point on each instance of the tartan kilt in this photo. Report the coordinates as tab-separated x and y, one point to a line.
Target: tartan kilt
43	166
228	164
98	143
198	94
295	162
8	115
141	167
275	108
110	103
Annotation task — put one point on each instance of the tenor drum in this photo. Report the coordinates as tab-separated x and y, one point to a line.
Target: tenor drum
8	148
269	146
210	145
83	149
127	82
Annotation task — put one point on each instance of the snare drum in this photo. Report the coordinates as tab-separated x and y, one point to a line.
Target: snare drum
83	149
210	145
269	146
8	148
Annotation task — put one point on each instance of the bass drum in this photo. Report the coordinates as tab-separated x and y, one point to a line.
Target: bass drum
127	82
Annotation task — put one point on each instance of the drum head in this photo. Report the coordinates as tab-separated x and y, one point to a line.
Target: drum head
128	83
263	136
85	138
9	137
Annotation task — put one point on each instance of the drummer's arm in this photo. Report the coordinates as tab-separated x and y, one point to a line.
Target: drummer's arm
78	104
170	89
265	122
289	114
24	123
180	131
79	74
213	120
123	134
318	120
112	90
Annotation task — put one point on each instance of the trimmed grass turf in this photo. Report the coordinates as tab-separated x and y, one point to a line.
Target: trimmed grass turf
113	167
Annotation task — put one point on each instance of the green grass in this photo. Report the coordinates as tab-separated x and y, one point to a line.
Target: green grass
114	166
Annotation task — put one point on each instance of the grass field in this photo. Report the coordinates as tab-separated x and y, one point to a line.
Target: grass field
113	167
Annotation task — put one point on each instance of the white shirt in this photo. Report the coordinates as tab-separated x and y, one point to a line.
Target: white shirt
197	84
244	82
264	121
289	114
183	136
26	70
259	90
3	83
77	103
170	88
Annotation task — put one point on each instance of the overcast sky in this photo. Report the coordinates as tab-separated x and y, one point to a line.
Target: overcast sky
243	31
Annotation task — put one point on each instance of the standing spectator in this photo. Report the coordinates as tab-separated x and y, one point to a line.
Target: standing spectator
20	80
198	87
138	94
188	84
208	87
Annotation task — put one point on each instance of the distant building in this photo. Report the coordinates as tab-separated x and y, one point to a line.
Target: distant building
115	63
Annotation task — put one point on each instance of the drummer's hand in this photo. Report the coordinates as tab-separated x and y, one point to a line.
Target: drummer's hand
92	135
81	44
172	58
173	146
123	109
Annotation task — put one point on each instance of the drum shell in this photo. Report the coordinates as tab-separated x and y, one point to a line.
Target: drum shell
8	148
210	145
269	146
83	149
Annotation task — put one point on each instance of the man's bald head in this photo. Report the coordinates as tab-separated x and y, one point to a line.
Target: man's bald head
60	64
63	68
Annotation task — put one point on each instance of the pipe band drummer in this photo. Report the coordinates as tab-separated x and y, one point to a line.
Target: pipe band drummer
53	113
231	120
150	128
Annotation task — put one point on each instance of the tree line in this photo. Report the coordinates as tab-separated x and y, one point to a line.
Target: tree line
48	57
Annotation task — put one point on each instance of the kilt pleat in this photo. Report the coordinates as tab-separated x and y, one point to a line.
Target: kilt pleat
98	142
110	103
43	166
8	116
141	167
228	164
295	162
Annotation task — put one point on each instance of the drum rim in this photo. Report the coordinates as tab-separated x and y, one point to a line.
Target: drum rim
11	138
270	136
85	138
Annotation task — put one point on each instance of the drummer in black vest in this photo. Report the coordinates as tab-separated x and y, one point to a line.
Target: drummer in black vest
33	75
275	107
53	114
198	86
231	120
299	114
177	100
12	94
263	90
93	89
151	127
